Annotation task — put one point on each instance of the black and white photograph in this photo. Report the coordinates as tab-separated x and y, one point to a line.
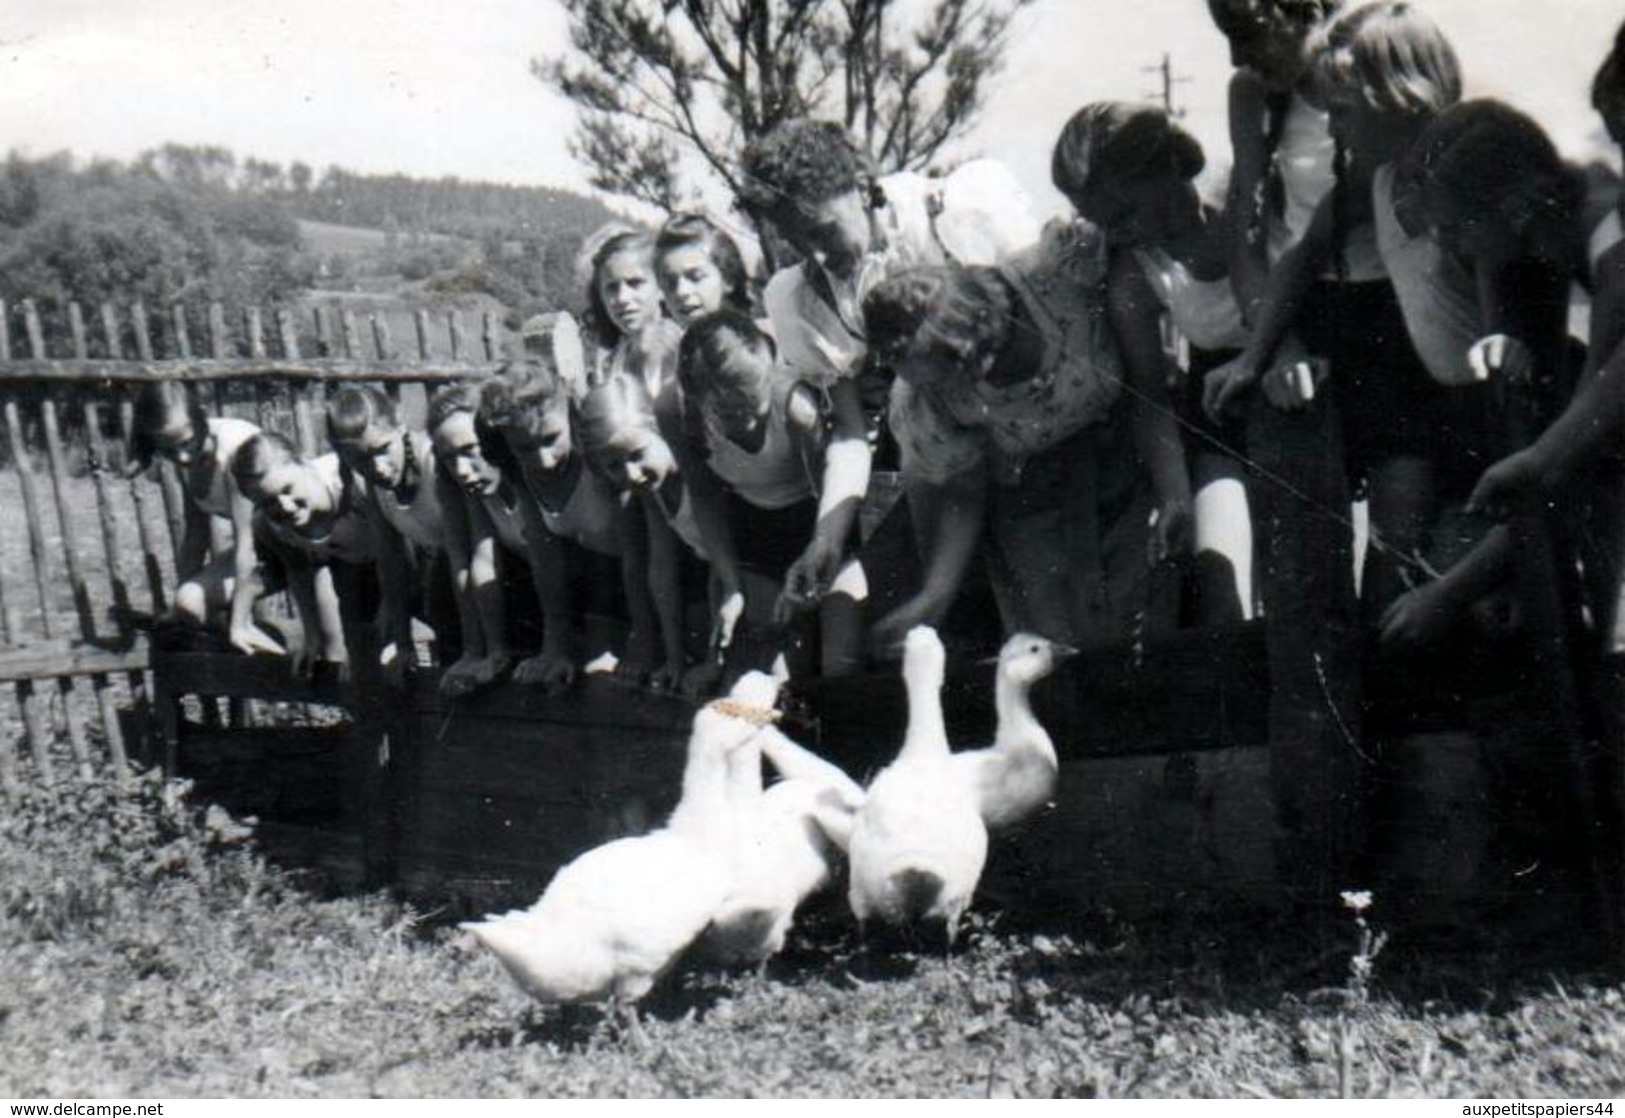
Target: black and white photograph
645	549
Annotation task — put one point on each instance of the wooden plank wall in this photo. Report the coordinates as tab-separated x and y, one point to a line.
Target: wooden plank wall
87	559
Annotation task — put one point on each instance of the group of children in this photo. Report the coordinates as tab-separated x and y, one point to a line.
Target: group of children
1144	386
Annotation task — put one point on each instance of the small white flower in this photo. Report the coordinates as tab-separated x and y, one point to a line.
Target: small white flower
1356	899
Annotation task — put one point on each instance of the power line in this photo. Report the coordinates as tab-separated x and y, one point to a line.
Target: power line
1165	71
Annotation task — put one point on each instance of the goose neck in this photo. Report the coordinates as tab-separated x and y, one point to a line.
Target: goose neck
702	809
1018	726
926	729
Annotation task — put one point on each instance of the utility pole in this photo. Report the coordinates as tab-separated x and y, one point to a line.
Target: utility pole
1165	72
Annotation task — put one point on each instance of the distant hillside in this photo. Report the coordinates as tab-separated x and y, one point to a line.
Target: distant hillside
450	206
189	225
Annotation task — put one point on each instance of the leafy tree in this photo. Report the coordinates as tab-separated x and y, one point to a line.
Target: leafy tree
654	79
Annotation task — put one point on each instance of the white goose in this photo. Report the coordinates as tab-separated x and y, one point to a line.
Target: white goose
782	849
1015	776
918	844
612	921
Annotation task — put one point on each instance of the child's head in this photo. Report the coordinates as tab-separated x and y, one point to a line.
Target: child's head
455	432
621	438
725	366
1382	64
699	268
622	295
1489	181
1129	168
1608	89
928	324
363	428
169	421
1270	37
279	483
815	185
528	404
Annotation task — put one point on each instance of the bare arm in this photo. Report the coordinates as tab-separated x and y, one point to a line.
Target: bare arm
711	517
394	621
948	521
1289	283
1245	216
1134	311
664	577
241	630
555	667
194	549
1593	420
457	545
483	660
844	483
1422	614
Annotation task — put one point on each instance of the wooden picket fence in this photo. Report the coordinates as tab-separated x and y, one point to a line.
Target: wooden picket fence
87	551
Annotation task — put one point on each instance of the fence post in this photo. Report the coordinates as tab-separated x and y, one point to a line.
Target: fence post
169	484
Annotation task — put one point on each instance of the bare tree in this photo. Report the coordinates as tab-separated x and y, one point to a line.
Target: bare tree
654	79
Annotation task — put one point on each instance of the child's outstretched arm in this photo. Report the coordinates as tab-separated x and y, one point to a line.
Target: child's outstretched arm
1594	418
487	657
1135	311
1421	615
194	549
711	518
244	635
1593	421
1245	217
554	668
1289	283
663	574
845	482
652	652
310	583
457	560
948	521
394	620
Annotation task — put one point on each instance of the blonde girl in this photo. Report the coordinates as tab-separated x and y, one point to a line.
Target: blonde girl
1384	71
631	446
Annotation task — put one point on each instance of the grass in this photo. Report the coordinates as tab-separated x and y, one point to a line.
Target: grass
147	949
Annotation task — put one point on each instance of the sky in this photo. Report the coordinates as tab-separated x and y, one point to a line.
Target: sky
430	88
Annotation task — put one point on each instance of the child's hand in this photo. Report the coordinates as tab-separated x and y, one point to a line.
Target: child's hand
1417	617
1173	531
808	579
251	640
1222	387
886	638
728	615
302	660
1513	479
1291	385
667	678
392	665
1500	355
552	671
701	680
